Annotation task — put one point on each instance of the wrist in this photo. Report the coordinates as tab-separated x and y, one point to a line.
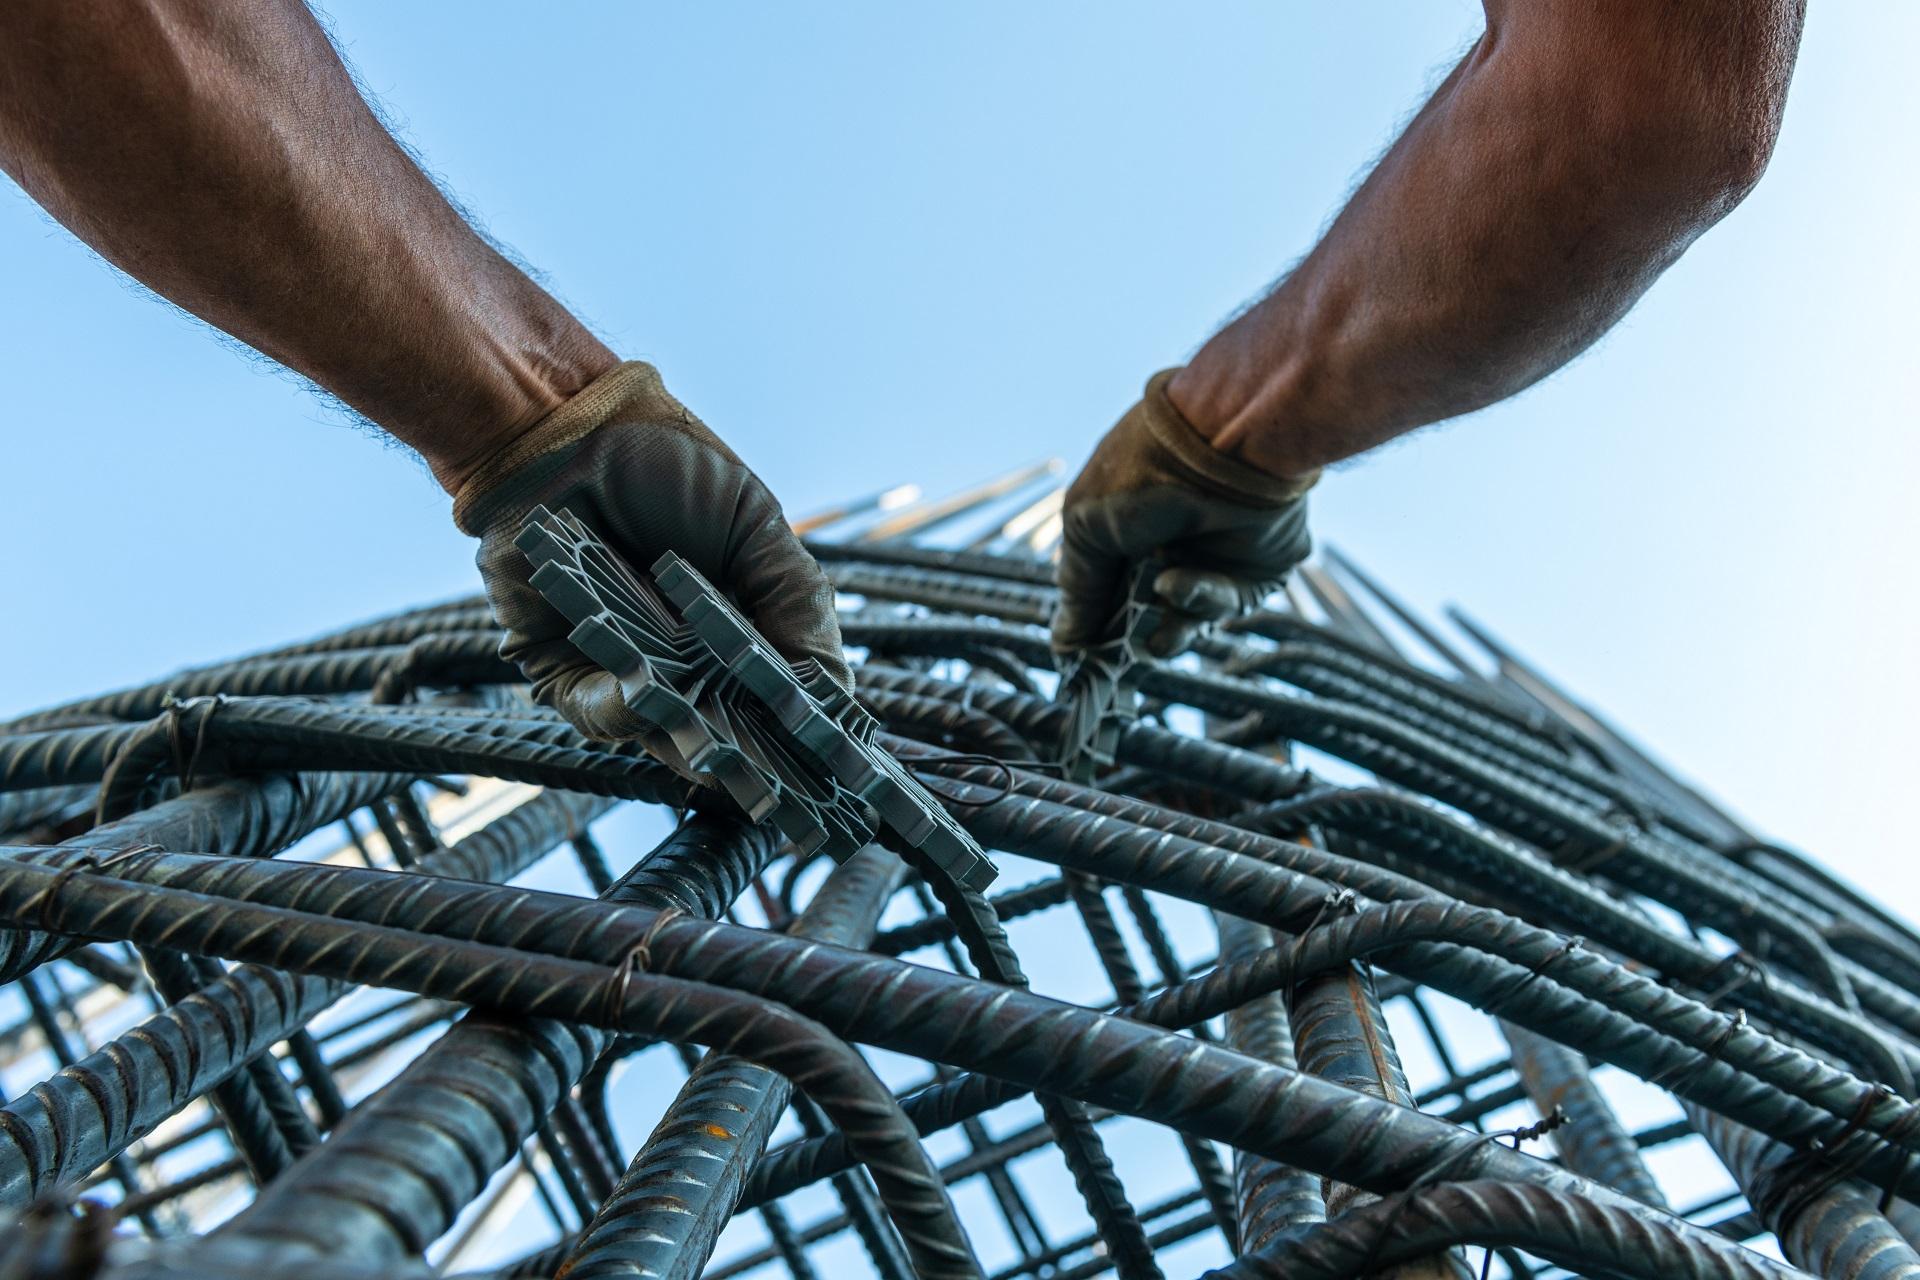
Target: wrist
1243	413
630	392
525	393
1191	451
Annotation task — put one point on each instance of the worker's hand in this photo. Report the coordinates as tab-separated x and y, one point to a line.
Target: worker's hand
646	476
1157	490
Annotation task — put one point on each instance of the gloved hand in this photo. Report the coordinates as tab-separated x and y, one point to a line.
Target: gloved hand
647	476
1156	489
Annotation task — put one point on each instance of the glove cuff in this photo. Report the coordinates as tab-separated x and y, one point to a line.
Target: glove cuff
1196	453
631	390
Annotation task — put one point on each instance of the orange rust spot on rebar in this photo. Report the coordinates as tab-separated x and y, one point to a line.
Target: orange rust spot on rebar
716	1131
1363	1014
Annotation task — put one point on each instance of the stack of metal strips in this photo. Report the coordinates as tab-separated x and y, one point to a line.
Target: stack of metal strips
1369	951
782	740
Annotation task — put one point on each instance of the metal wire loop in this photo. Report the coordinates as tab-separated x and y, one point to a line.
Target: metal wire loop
1560	953
1684	1073
187	761
638	959
1438	1171
1004	767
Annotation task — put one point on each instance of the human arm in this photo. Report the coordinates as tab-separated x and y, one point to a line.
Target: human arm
1567	161
220	154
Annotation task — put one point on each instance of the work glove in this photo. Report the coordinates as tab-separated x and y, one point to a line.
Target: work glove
646	476
1156	491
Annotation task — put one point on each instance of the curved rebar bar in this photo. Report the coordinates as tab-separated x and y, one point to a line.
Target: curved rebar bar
555	995
1123	1065
666	1213
1498	852
1565	1230
1731	1068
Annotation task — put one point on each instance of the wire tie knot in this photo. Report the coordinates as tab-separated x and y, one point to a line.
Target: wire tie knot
638	959
1673	1077
186	762
1743	966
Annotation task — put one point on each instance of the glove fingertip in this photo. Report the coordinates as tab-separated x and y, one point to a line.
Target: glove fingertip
1173	636
838	669
592	701
1203	593
1173	586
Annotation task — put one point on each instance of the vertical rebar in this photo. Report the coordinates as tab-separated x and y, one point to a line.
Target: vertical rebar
1340	1034
1592	1141
124	1171
1825	1221
1089	899
1270	1196
382	1186
252	1124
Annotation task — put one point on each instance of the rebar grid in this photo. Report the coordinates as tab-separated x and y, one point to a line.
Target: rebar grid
1357	958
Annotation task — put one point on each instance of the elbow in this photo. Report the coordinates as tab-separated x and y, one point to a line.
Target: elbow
1678	177
1680	101
1712	161
1701	148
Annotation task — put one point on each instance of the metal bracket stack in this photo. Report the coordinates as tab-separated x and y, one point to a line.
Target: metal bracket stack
1099	684
782	739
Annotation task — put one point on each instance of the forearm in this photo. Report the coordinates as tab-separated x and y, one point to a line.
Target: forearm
1570	159
220	154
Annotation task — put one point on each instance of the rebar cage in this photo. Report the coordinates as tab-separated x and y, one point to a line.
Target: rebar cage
1357	955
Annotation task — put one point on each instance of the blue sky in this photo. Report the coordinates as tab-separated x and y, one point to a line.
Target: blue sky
879	243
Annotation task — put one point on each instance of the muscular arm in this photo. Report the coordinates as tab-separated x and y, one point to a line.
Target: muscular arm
218	152
1565	163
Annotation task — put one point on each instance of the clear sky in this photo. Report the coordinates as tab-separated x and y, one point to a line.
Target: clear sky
879	243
